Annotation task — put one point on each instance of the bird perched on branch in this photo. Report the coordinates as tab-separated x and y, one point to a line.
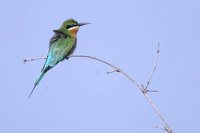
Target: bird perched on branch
61	46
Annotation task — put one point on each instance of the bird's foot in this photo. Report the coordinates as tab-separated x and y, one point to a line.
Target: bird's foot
66	58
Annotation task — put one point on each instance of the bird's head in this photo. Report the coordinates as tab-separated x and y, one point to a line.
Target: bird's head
71	26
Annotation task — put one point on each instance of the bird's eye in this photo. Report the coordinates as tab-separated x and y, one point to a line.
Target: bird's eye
70	26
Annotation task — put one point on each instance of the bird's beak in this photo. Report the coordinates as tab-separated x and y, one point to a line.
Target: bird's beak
81	24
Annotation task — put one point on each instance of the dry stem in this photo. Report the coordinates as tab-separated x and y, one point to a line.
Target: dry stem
143	89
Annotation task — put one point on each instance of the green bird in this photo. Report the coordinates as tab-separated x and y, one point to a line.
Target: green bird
61	46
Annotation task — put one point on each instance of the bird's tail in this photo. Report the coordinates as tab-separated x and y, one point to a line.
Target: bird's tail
37	82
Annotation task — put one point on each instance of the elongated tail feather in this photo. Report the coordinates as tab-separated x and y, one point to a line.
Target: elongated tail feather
37	82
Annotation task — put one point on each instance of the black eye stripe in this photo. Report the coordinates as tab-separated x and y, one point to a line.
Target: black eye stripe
70	26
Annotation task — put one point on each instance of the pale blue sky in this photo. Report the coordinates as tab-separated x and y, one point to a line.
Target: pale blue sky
77	96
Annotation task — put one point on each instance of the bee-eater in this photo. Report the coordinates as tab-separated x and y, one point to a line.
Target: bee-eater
61	46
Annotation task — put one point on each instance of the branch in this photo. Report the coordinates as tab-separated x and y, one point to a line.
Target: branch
140	87
116	69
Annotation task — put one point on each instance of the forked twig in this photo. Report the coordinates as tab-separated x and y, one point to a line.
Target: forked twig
143	89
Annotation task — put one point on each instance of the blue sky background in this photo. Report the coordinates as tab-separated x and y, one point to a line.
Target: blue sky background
77	96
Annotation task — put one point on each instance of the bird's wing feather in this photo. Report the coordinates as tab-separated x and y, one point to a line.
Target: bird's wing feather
57	35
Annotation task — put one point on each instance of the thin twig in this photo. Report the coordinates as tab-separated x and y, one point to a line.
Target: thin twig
158	127
33	59
154	66
152	90
112	71
140	87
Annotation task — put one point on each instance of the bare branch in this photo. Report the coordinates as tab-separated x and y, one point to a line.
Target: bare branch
116	69
154	66
143	89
